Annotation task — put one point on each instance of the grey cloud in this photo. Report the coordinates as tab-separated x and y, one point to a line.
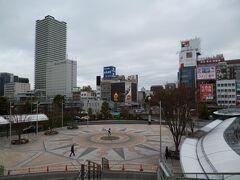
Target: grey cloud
138	37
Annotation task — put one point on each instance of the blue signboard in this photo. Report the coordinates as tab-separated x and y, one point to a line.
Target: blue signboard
109	72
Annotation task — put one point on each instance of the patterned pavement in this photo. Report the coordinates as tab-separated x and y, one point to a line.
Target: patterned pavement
131	144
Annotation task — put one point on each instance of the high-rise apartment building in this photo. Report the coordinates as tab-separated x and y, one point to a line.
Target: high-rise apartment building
50	46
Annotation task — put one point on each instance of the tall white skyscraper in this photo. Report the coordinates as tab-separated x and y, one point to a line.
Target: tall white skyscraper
50	46
54	74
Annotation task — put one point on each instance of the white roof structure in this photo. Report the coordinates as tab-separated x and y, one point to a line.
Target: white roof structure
218	152
22	118
3	120
228	112
189	159
211	153
211	126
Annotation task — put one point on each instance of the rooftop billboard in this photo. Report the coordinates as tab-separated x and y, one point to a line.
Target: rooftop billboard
109	72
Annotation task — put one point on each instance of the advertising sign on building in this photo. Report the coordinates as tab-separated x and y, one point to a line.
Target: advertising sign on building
206	92
206	73
128	93
185	44
109	72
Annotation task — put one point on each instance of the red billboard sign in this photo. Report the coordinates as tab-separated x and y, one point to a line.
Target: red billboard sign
206	92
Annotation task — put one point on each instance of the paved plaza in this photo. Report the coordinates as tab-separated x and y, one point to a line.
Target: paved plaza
130	144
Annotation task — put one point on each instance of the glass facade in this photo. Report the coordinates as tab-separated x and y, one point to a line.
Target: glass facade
187	76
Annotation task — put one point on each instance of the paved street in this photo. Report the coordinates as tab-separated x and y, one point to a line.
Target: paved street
132	144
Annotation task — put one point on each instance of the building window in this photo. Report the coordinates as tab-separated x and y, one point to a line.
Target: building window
189	55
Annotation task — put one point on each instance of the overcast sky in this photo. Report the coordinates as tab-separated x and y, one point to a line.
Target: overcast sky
137	36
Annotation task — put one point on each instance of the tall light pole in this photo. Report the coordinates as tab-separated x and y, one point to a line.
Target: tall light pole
62	113
37	120
10	122
160	123
149	115
31	102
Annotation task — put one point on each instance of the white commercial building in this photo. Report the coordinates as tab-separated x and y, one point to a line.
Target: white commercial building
61	78
226	92
89	100
190	49
13	88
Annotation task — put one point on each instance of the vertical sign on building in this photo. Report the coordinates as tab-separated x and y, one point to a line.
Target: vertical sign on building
128	93
98	85
206	92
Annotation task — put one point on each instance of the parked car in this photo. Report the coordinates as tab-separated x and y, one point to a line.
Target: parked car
29	129
85	118
77	118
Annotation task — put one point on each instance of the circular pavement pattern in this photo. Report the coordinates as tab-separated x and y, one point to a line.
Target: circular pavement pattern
129	143
132	142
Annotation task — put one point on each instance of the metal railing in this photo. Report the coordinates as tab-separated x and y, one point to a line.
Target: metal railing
89	170
164	175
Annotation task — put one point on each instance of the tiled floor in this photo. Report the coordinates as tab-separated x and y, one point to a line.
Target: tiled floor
132	144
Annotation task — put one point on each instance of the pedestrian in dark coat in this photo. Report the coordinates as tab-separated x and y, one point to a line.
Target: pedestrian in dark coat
72	151
109	132
166	153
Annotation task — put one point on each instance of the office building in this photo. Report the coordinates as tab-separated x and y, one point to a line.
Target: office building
98	87
125	89
12	89
229	69
187	76
8	78
61	78
156	89
50	47
226	92
206	75
188	56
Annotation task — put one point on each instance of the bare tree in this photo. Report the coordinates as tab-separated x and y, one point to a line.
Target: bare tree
176	106
19	118
55	114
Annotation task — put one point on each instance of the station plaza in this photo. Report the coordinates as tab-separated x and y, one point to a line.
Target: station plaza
130	144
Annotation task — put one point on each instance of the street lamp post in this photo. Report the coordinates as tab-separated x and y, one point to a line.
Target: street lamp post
149	115
37	119
31	102
62	113
160	124
10	122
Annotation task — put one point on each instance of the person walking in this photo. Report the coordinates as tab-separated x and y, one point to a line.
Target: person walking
166	153
109	132
72	151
